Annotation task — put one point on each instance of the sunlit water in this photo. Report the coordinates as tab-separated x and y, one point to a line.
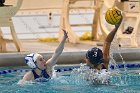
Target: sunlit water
74	82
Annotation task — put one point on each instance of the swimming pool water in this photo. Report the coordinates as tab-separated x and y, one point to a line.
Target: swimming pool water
123	82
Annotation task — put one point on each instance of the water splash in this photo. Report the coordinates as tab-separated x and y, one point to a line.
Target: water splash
93	76
115	48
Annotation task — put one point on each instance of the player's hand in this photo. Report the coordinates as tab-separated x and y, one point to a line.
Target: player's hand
65	33
117	25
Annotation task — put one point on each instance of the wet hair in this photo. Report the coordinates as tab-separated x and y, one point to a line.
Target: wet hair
95	56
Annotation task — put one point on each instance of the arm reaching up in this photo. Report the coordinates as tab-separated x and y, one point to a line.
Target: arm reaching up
52	61
107	43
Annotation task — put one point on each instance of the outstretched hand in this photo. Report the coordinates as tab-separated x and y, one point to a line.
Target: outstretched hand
65	33
117	25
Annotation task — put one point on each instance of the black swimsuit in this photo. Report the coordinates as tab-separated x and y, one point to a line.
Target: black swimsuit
44	74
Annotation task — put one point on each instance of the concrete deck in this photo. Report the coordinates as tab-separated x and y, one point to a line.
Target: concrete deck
72	54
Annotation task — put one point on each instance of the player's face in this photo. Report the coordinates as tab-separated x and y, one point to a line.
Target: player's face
41	62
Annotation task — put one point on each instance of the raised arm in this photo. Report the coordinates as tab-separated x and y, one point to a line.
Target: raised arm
107	43
52	61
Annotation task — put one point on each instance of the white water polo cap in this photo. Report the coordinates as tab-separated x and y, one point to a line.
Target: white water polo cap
30	60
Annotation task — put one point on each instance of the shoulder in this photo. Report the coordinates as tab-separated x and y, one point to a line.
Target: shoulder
51	62
28	76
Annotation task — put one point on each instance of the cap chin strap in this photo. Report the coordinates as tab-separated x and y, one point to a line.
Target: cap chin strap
37	67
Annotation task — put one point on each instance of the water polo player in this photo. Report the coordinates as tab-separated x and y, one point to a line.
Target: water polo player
40	67
97	59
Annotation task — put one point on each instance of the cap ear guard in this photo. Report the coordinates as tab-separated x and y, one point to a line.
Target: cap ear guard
29	61
31	65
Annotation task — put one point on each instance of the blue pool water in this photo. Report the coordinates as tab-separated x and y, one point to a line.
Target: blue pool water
120	82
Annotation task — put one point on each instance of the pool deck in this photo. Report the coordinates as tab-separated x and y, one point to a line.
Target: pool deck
72	52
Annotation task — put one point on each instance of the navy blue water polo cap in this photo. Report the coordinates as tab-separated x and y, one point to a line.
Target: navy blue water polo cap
95	55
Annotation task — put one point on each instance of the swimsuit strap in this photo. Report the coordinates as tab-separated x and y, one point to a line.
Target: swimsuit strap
45	74
35	75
